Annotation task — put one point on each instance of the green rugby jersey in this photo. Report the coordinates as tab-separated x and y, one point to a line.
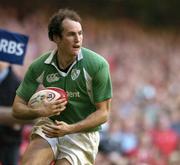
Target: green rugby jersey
87	82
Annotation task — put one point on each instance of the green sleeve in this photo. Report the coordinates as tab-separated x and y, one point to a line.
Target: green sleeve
28	85
102	85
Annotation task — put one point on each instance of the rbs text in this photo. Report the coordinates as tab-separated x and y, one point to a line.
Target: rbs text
11	47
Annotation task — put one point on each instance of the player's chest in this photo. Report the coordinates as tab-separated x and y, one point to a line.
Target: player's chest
74	79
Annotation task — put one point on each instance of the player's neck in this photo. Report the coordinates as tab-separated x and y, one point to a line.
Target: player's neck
65	61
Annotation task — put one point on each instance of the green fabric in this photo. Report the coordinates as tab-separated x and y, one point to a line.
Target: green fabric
86	82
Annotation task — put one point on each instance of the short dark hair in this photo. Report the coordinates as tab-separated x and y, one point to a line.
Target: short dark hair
55	22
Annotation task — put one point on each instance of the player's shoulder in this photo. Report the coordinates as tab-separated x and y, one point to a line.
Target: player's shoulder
42	58
40	61
93	62
93	57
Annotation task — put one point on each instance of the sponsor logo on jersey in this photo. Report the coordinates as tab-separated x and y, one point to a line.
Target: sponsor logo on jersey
73	94
52	77
75	74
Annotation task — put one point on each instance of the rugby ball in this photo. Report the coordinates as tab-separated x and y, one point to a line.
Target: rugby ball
50	94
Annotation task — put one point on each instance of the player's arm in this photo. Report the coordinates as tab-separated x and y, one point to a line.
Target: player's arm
101	91
21	110
98	117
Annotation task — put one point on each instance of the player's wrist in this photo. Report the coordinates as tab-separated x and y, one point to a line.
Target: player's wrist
72	129
35	112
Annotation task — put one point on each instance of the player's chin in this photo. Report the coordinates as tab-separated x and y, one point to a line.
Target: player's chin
76	51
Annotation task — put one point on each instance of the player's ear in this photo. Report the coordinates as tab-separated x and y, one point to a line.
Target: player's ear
56	38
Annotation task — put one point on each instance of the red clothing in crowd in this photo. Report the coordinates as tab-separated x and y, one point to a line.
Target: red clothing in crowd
165	140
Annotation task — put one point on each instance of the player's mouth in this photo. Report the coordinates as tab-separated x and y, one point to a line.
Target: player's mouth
76	46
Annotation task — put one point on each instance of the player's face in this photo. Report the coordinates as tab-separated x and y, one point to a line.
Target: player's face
72	37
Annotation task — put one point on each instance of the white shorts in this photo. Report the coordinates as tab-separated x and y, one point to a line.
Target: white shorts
78	148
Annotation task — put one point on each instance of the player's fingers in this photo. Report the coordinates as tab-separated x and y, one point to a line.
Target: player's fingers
58	110
61	105
59	101
59	122
61	109
64	103
50	127
49	132
58	113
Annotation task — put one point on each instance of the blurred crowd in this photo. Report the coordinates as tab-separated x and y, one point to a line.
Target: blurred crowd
144	126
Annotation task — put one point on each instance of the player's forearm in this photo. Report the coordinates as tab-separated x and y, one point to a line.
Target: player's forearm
22	111
93	120
100	116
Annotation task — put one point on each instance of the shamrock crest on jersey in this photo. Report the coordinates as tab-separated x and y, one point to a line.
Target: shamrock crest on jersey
75	73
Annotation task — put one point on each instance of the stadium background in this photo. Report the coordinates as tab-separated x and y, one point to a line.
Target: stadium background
141	41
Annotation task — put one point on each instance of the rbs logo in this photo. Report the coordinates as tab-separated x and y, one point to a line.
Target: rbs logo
11	47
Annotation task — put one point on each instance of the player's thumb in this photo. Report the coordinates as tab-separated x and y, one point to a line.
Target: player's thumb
59	122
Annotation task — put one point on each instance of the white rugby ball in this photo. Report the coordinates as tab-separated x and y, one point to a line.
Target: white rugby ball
50	94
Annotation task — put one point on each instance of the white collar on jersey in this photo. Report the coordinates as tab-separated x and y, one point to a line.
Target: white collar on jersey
53	52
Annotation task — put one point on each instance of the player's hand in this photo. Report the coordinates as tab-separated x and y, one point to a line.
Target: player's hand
59	128
47	109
